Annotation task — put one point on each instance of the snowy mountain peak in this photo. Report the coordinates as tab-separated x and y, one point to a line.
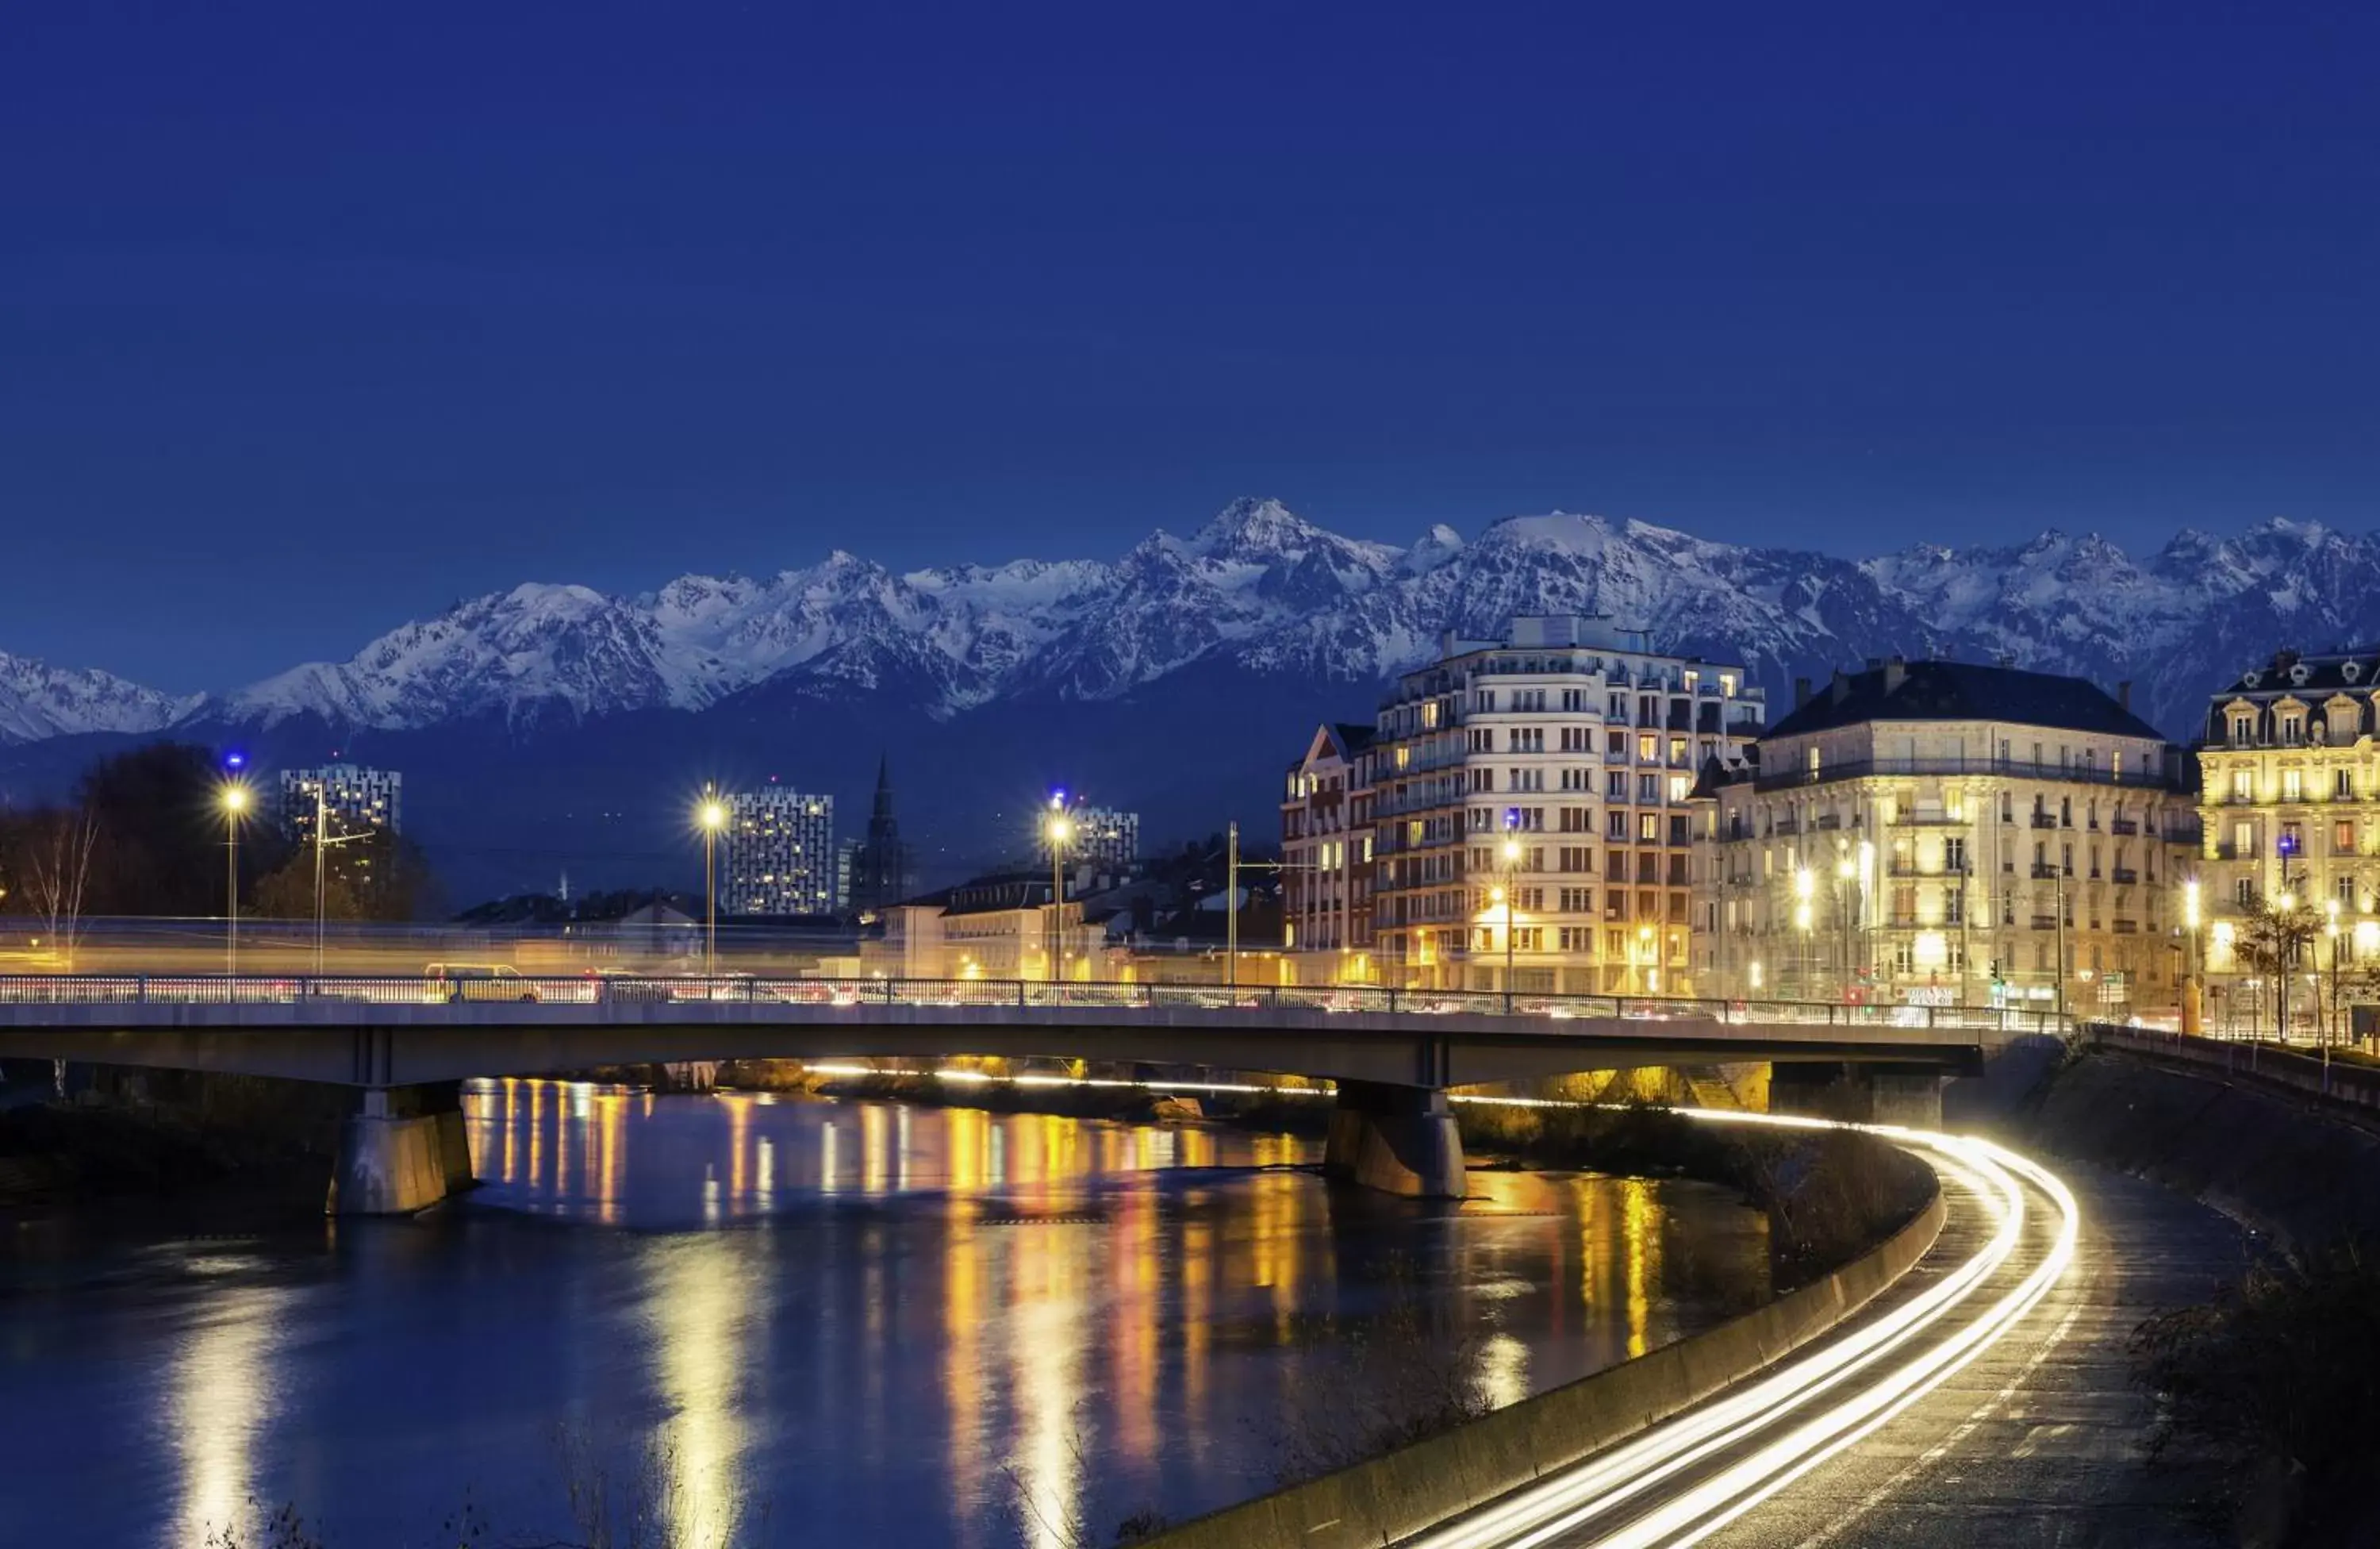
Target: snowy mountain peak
39	701
1260	590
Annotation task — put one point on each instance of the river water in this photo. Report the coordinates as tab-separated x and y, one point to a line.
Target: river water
792	1322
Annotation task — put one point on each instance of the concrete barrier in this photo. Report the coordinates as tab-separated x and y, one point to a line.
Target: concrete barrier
1391	1497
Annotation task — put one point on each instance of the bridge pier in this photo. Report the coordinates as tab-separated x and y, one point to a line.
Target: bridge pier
402	1151
1398	1140
1877	1093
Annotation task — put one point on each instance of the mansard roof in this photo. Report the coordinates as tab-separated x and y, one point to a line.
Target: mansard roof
1963	692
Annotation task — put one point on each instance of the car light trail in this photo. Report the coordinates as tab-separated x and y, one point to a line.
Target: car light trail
1568	1503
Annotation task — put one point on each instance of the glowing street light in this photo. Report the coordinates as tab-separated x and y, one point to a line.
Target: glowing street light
1511	852
1059	829
712	815
235	806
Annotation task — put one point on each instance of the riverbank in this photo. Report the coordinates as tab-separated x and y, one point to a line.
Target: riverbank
2268	1388
54	1156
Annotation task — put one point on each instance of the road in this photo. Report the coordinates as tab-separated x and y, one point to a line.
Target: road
1986	1398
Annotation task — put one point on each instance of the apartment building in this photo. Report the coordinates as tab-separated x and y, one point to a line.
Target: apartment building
779	856
1530	808
2289	806
1942	833
1100	839
356	796
1326	844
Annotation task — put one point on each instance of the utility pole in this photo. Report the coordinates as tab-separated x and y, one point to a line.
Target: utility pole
1232	905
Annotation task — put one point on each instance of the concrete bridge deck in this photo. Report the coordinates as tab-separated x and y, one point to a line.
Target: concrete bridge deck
393	1032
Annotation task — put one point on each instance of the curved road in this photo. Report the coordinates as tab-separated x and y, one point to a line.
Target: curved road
1983	1399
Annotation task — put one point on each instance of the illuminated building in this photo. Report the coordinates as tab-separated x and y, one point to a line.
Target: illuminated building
2289	773
1326	844
1911	828
1529	808
780	853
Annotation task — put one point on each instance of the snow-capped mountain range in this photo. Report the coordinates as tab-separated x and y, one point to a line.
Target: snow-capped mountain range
1261	592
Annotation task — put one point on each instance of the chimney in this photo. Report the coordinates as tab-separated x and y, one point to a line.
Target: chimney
1801	693
1873	663
1896	672
2124	695
1841	687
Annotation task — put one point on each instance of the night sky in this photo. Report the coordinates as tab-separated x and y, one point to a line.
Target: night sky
317	317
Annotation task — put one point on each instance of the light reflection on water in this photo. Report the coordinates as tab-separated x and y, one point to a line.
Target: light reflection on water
880	1323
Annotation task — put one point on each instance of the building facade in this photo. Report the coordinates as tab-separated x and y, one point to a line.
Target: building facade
1940	833
780	854
1530	808
2290	775
1326	844
994	927
1101	839
356	796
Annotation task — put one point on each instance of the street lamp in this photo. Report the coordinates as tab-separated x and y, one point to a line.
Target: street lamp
1844	871
235	805
1060	829
712	814
2330	929
1805	886
1511	855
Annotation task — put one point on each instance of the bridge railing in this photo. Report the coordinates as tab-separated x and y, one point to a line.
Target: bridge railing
1064	994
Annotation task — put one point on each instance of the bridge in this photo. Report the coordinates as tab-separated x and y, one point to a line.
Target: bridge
404	1042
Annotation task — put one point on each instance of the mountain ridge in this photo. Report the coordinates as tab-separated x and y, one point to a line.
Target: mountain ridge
1262	592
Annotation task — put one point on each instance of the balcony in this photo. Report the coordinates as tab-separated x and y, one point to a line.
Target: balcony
2044	820
1858	769
1787	825
2045	922
2127	927
1927	820
2124	825
1825	823
2044	873
2126	877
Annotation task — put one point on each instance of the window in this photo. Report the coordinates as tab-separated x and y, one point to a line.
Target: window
2345	888
2342	784
1677	749
1648	747
2342	837
2243	786
1648	787
2243	729
1576	901
1615	826
1648	827
2243	892
2007	802
2292	785
1679	787
2243	840
1954	853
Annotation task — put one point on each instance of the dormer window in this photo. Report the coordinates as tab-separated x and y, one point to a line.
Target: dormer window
2243	730
2292	728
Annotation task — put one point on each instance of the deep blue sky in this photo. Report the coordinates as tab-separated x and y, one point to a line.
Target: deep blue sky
315	317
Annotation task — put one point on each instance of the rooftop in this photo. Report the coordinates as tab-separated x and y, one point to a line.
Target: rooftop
1963	692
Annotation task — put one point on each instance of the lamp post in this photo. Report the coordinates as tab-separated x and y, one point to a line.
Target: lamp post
235	804
714	817
1804	886
1844	871
1512	857
2192	920
2330	929
1060	828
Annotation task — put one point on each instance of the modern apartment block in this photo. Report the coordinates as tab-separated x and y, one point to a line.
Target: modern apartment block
778	855
1529	809
1939	833
1325	841
356	796
1098	838
2289	777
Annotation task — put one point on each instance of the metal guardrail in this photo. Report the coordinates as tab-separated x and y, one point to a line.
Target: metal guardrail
2313	1074
204	989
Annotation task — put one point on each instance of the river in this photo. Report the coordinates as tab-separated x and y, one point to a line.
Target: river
792	1322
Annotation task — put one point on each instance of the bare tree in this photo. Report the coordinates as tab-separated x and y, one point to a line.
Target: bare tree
2271	942
58	871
